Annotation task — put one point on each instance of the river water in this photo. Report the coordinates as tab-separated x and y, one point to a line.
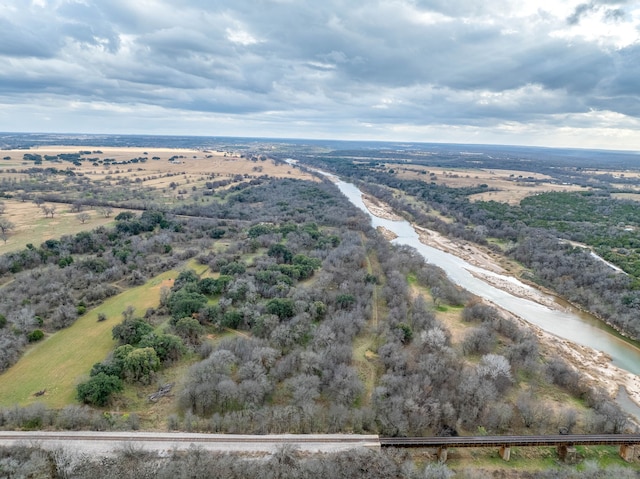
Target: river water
568	323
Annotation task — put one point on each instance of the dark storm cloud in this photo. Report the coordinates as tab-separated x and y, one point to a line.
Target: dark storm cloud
610	13
414	62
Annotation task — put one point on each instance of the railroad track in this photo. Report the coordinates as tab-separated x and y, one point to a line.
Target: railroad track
497	441
108	442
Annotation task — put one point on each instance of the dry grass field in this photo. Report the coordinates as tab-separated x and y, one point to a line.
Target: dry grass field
626	196
31	226
174	175
511	185
163	163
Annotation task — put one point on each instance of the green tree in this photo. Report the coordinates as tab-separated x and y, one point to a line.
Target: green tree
131	331
281	307
167	346
185	277
183	303
98	389
406	333
140	364
190	329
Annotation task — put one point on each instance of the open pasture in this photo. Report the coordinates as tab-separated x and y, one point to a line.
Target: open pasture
171	175
32	227
99	162
510	186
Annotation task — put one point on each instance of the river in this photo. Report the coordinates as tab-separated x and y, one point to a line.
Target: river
564	322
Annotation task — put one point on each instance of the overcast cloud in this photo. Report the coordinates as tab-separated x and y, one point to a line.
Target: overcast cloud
556	73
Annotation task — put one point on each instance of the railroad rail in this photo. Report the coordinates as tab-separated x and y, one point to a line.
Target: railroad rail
564	442
105	442
492	441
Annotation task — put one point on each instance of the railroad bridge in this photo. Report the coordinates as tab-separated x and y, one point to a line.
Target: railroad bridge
565	443
106	442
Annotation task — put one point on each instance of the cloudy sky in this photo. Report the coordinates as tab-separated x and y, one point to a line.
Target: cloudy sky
531	72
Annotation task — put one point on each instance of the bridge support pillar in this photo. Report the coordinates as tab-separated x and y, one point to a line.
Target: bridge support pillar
627	452
505	452
567	453
442	454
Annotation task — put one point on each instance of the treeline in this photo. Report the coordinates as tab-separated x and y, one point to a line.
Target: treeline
534	233
286	462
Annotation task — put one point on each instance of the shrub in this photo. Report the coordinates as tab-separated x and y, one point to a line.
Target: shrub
131	331
35	335
98	389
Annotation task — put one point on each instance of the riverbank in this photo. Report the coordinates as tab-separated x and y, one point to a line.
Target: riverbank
594	365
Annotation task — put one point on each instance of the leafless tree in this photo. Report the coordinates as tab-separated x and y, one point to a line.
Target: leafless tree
105	211
5	227
83	217
48	210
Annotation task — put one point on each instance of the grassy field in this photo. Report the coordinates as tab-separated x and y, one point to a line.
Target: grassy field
59	362
32	227
511	185
175	175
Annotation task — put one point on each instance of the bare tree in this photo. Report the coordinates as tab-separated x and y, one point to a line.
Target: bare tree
105	211
5	227
128	313
24	319
48	210
83	217
76	207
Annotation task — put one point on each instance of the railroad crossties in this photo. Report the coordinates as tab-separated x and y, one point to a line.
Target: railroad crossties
164	443
565	443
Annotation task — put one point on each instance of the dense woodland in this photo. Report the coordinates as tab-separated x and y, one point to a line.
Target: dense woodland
297	278
538	233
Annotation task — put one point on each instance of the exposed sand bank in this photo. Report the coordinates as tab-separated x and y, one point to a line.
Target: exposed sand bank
595	365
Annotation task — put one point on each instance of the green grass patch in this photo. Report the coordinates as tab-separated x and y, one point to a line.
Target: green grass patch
366	364
200	269
533	459
59	363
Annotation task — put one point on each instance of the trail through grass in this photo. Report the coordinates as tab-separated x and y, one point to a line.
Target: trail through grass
59	362
363	356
